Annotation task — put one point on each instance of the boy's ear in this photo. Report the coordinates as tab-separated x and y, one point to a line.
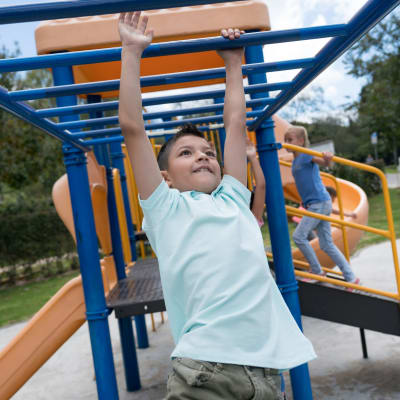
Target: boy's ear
166	177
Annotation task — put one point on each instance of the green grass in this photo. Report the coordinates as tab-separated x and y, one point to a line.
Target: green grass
19	303
391	169
377	217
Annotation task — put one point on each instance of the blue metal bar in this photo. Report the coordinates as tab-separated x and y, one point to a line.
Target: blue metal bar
156	80
27	113
86	123
159	125
171	48
96	309
113	105
278	226
369	15
81	8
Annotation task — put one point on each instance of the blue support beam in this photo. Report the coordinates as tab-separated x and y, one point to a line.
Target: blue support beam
86	240
165	115
172	48
82	8
278	226
156	80
151	101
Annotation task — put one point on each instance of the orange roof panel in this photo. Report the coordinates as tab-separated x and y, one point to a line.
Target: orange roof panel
85	33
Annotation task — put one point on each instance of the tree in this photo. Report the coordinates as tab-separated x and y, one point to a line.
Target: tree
27	155
376	57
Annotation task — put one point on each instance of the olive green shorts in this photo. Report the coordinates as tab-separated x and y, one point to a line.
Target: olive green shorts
202	380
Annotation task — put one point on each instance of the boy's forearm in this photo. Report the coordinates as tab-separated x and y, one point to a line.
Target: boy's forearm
258	172
234	105
130	98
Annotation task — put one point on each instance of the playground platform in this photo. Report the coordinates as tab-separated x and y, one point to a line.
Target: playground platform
339	373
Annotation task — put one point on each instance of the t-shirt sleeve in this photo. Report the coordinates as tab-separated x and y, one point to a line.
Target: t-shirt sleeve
160	203
233	188
306	158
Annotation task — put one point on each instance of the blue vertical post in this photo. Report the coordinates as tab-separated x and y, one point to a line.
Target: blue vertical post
277	222
221	131
117	157
131	366
96	309
100	151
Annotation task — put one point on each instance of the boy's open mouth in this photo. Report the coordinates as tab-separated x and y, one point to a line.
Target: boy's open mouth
203	169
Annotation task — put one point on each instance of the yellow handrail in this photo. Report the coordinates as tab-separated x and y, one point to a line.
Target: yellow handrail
390	233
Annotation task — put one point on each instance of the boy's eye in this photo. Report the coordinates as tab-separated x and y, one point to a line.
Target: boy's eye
185	153
210	153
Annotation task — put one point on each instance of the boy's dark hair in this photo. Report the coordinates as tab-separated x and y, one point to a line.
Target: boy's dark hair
163	155
332	191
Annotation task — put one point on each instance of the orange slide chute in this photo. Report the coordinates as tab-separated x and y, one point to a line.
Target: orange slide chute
56	321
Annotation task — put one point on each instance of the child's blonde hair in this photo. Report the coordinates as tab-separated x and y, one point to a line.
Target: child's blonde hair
300	132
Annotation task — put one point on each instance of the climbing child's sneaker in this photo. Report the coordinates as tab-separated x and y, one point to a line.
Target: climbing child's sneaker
311	280
356	282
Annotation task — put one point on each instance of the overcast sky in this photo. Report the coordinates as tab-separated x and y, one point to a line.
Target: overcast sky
284	14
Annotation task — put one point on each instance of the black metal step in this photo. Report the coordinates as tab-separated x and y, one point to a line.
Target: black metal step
359	309
140	293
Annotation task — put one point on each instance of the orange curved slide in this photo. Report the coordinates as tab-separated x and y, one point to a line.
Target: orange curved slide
56	321
354	200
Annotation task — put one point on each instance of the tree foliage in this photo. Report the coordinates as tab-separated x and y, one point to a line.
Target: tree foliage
28	156
376	57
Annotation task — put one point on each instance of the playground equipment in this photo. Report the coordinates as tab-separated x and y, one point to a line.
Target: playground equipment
105	139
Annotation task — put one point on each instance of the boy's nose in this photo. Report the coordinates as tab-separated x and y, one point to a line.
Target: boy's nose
201	155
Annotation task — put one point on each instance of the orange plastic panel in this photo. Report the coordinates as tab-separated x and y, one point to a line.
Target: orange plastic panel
182	23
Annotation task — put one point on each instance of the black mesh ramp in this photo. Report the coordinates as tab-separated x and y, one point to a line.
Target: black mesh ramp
360	309
140	292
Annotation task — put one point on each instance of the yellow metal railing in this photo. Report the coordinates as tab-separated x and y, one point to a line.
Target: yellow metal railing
389	233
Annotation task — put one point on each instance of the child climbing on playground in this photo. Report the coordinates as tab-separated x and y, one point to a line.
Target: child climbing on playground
232	330
315	198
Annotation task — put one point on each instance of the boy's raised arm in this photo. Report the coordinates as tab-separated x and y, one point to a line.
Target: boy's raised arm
234	111
134	40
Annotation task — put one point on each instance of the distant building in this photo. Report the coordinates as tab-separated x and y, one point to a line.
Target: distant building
326	145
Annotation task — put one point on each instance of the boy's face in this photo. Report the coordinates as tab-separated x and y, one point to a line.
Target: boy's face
292	138
192	165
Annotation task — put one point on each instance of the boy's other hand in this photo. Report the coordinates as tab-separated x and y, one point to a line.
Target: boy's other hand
133	31
250	149
327	156
231	55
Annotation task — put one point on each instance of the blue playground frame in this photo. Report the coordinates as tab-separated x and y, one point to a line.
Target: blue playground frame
107	143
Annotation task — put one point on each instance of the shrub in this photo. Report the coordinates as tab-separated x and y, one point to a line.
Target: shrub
369	182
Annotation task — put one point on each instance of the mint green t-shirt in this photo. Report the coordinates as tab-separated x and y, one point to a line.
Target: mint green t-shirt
222	302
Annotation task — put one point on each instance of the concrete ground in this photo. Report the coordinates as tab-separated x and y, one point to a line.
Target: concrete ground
339	372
